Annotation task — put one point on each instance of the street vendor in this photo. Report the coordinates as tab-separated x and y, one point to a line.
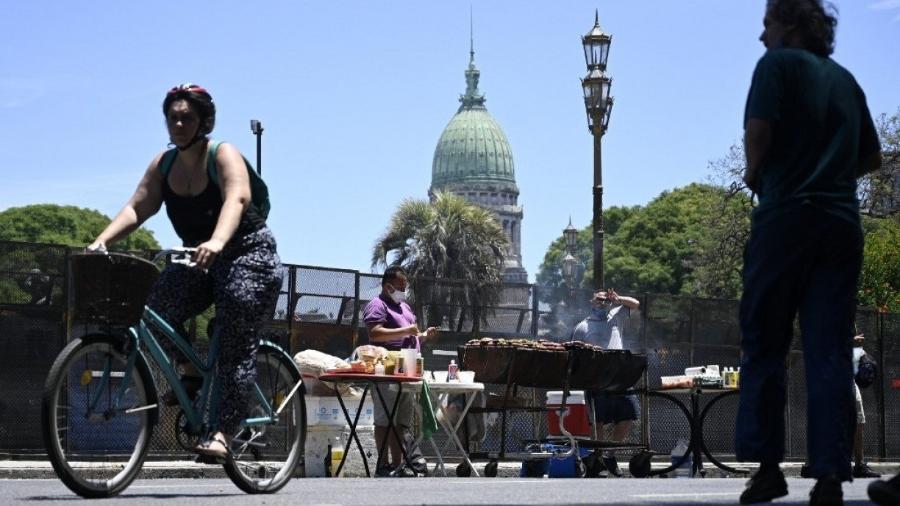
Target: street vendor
392	324
604	328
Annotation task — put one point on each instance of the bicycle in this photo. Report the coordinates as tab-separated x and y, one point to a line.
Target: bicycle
100	404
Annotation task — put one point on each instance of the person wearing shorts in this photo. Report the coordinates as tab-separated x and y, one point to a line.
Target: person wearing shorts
392	324
604	328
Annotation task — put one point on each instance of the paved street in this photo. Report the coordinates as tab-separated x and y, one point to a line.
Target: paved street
449	491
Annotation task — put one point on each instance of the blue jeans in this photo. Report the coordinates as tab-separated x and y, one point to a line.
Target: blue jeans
801	258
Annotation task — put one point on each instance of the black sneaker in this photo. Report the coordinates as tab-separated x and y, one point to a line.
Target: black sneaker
827	492
764	486
383	472
191	384
804	471
862	470
885	492
612	465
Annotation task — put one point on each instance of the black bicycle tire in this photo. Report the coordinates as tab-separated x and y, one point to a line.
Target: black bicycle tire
299	445
48	417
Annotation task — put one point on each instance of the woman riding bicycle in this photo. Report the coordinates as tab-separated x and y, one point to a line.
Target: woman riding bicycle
237	266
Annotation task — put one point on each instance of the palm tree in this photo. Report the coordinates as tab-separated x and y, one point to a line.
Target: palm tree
448	239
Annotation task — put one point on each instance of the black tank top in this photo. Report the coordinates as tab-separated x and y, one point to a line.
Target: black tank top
194	218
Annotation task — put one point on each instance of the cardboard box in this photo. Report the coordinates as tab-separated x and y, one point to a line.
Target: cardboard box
327	411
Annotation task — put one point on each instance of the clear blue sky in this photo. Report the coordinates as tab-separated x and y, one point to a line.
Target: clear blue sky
353	96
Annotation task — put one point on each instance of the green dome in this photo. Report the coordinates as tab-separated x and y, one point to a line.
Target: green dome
473	147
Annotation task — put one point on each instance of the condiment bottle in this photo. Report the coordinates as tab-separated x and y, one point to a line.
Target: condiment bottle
379	368
420	365
452	371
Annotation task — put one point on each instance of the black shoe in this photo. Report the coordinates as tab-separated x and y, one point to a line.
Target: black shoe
885	492
804	471
612	465
764	486
191	384
862	470
827	492
383	472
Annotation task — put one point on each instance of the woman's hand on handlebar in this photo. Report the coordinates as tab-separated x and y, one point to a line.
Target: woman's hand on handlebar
207	253
96	247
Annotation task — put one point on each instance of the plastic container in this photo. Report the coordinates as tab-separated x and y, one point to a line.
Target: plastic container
452	371
337	453
576	419
379	369
680	449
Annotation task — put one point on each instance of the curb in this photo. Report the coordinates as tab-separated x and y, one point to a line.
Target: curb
41	469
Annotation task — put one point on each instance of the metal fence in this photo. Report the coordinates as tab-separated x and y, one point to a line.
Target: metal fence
321	308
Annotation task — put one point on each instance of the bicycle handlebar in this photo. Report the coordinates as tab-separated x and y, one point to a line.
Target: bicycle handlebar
178	255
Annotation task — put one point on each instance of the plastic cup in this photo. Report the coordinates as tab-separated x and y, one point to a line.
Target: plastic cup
466	376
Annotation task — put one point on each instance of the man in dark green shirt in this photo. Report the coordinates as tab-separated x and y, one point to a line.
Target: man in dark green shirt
808	137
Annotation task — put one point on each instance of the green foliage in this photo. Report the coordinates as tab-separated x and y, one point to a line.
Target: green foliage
879	192
549	273
879	283
67	225
448	238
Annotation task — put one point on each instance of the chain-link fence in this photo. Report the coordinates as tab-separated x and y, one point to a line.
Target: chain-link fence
321	308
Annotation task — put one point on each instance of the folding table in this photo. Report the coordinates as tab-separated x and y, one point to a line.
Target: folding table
369	382
439	392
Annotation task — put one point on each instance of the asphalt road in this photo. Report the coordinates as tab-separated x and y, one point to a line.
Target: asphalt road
418	491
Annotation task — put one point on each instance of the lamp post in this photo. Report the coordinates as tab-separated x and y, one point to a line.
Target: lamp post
598	106
257	129
572	268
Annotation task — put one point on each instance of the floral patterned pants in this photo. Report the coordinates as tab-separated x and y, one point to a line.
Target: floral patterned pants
243	283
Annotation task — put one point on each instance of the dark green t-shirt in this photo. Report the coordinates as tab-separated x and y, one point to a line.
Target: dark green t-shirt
821	131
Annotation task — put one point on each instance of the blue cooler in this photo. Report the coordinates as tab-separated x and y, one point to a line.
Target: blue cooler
552	467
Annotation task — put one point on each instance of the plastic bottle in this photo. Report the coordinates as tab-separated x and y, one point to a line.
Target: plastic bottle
337	453
379	368
420	365
726	377
453	371
681	449
737	378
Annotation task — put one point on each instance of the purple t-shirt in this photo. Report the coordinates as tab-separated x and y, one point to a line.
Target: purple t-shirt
382	310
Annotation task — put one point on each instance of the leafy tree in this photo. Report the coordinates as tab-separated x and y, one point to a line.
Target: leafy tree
654	249
447	238
719	257
879	192
34	273
67	225
549	273
879	282
650	248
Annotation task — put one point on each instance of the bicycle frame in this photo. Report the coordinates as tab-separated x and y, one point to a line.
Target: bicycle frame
141	336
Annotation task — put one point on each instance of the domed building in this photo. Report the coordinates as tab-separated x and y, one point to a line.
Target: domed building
473	160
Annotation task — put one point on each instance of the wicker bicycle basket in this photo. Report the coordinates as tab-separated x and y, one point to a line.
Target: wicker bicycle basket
111	289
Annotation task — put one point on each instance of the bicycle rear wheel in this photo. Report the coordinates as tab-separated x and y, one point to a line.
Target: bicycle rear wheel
264	456
95	439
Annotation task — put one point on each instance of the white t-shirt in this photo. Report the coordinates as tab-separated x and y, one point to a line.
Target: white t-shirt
604	332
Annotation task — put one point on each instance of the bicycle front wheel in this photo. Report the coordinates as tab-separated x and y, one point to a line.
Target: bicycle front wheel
97	416
269	444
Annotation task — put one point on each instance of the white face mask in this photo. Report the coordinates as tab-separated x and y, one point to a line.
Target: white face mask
397	296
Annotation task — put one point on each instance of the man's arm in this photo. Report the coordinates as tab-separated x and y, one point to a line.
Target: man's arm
629	302
379	334
757	141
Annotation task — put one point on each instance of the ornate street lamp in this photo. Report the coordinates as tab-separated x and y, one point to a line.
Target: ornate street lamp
572	268
598	106
571	235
